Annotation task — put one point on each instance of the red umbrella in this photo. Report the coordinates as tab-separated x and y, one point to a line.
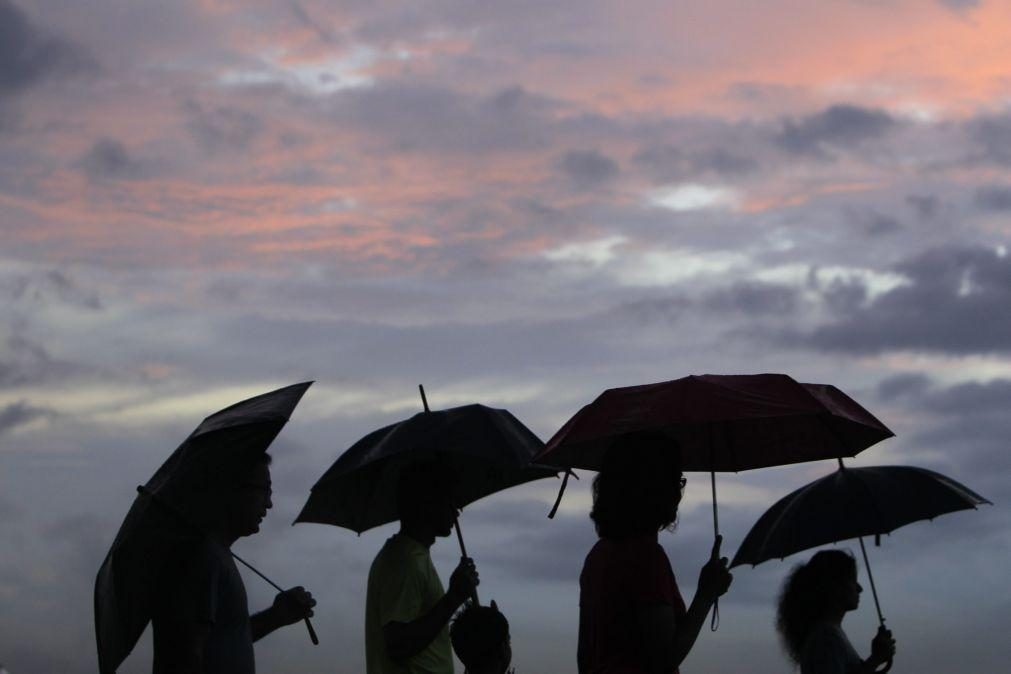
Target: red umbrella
721	423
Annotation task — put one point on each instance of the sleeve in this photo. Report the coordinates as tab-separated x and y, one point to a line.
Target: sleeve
401	597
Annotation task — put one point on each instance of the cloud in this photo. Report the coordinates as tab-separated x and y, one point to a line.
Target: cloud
108	158
414	117
20	413
993	198
221	128
667	163
956	302
588	168
755	298
992	135
51	286
836	127
28	55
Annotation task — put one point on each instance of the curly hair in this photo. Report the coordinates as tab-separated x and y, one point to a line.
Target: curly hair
808	594
637	490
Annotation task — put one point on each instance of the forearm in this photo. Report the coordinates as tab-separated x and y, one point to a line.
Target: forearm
405	640
263	623
687	629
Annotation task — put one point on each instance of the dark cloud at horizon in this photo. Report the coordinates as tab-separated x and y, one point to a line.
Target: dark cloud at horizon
956	302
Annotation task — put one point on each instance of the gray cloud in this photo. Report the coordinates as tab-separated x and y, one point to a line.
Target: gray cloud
666	163
992	135
836	127
588	168
19	413
221	128
926	206
993	198
410	117
28	55
956	302
755	298
52	286
902	386
109	159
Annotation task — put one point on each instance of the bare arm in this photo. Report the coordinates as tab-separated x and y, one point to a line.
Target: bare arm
667	641
406	639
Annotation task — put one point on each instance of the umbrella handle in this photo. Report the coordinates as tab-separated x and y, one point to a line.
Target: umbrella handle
143	490
463	552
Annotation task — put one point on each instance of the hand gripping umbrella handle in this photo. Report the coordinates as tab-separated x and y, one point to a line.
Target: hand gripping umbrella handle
463	551
182	518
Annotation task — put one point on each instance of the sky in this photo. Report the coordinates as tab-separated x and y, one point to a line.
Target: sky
519	204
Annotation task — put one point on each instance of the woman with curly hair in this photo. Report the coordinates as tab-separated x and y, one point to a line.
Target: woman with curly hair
632	618
815	598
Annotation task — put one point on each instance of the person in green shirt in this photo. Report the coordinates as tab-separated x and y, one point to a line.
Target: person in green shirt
406	609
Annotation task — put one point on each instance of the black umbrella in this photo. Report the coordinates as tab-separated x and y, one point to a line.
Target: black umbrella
159	521
853	503
488	449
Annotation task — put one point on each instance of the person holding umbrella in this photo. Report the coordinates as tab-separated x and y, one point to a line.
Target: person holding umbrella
631	614
200	617
815	598
406	609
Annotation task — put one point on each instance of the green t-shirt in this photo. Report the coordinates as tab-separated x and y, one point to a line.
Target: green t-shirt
403	586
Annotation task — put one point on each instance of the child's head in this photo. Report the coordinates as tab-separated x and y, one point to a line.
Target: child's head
480	636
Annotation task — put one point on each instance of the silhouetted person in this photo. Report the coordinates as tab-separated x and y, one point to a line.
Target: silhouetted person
480	636
815	598
201	620
406	609
631	614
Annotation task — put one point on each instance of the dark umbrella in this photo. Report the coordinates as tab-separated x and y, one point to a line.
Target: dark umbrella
159	521
488	449
853	503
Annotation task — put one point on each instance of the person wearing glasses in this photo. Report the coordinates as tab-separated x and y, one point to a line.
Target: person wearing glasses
632	618
200	619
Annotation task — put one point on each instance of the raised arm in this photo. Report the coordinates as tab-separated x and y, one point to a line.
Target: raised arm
666	640
406	639
289	607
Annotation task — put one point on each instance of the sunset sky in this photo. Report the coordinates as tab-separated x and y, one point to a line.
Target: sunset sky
518	203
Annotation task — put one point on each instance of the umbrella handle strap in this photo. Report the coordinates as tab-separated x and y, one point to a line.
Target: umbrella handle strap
561	491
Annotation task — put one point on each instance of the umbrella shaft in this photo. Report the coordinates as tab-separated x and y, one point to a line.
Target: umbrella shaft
870	578
716	516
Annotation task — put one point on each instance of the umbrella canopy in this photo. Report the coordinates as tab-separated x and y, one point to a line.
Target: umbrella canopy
721	423
488	449
850	503
157	524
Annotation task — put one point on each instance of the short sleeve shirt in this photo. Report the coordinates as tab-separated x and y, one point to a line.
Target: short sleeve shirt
403	586
202	585
827	650
619	576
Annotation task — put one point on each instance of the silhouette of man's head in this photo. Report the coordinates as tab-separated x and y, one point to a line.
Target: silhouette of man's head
480	636
425	498
638	488
824	588
233	496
